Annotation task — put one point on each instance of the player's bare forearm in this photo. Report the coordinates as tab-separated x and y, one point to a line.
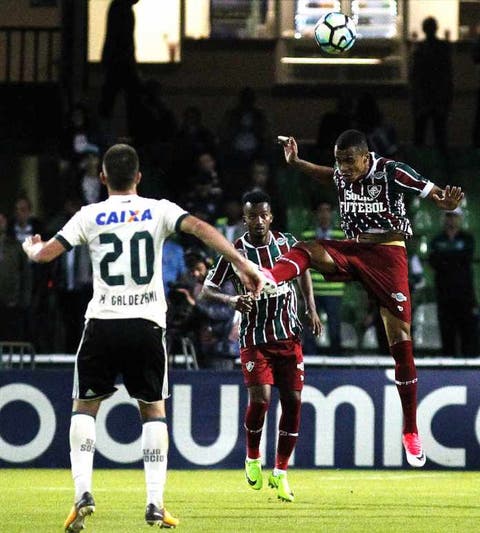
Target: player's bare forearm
306	288
318	172
447	199
40	251
215	295
239	302
212	238
248	273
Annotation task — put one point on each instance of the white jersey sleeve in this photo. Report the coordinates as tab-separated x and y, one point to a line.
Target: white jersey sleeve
73	234
125	236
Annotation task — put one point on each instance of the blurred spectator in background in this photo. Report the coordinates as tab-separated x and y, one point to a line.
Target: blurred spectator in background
25	224
15	286
79	135
208	323
118	61
476	60
203	199
87	180
72	280
204	194
261	180
331	124
431	82
451	257
416	272
154	122
231	225
245	133
193	137
173	263
381	137
328	294
206	165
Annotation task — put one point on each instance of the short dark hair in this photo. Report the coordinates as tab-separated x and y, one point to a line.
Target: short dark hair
120	166
256	197
430	26
320	202
352	139
193	256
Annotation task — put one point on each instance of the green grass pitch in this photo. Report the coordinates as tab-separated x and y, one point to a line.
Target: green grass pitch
37	501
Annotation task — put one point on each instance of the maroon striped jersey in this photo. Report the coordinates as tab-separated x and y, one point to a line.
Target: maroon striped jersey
274	314
375	203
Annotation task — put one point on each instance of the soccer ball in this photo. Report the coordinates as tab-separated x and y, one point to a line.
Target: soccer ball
335	33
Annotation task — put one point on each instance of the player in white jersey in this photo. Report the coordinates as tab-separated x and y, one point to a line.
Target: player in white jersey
125	320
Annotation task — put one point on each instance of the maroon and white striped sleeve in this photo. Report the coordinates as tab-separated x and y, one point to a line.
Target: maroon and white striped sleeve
409	179
219	273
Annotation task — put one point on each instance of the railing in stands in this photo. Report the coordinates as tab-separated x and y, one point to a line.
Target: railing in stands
29	54
311	361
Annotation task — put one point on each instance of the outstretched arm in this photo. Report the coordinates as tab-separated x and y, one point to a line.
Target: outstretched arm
239	302
320	173
447	199
42	251
248	273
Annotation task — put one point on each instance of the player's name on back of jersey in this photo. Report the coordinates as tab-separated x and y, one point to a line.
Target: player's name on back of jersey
129	215
129	299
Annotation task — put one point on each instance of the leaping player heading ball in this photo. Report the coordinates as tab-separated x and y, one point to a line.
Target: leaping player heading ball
372	210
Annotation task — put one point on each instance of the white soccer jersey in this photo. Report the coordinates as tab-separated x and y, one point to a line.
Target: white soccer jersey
125	236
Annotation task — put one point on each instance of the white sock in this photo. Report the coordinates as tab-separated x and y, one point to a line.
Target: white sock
82	447
155	448
277	472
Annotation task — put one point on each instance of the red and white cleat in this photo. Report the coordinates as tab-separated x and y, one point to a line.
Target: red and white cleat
413	450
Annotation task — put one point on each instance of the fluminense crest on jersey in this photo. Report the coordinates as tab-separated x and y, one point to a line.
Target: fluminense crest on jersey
374	190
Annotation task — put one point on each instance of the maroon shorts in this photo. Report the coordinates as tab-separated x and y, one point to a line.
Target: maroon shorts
382	270
277	363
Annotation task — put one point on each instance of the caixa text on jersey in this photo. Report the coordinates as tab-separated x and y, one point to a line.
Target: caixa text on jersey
114	217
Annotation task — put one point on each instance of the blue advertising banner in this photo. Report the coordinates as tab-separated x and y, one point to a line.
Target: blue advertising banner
351	417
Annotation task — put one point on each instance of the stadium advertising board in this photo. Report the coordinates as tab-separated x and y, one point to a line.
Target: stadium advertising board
351	418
